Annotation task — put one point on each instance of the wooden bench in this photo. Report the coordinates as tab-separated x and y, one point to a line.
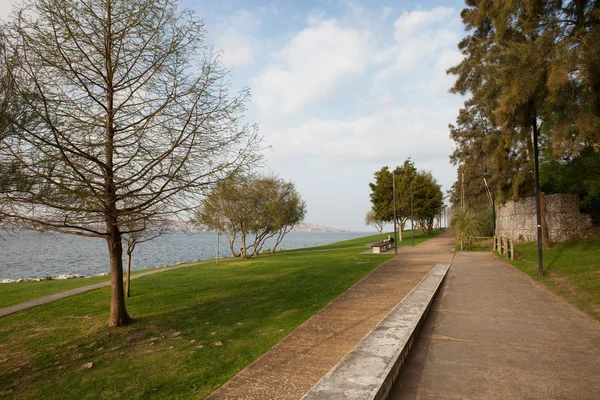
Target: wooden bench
379	248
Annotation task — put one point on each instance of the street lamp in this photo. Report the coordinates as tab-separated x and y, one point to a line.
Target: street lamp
412	214
394	173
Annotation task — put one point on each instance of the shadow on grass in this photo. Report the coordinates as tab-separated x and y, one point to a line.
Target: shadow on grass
194	328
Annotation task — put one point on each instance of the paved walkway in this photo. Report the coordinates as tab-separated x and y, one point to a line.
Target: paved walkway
296	363
493	333
61	295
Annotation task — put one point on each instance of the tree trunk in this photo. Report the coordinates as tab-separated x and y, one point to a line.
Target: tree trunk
118	313
218	244
127	292
400	229
545	236
243	248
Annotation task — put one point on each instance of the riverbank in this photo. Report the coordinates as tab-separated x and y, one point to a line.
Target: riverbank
206	322
37	255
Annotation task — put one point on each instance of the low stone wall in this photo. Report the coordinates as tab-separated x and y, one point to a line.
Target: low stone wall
517	219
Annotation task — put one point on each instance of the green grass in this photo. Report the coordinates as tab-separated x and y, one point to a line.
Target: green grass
571	270
169	351
19	292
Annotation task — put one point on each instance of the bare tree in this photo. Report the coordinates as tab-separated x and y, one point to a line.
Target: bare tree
372	220
140	232
129	118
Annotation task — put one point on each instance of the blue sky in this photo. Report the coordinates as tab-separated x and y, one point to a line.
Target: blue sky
341	88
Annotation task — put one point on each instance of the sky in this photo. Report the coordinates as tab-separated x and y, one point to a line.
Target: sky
341	88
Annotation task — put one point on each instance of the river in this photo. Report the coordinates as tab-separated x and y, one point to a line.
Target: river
30	254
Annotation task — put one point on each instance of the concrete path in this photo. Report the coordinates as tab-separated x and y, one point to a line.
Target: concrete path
294	365
61	295
493	333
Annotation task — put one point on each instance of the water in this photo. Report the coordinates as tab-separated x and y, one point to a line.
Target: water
31	254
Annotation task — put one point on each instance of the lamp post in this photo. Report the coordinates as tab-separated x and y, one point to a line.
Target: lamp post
412	214
394	173
394	200
538	207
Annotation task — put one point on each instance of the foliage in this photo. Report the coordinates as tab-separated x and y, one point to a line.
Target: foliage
470	221
125	115
579	175
526	63
382	193
426	196
427	199
252	209
372	220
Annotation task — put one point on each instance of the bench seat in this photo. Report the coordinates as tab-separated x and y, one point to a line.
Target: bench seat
379	248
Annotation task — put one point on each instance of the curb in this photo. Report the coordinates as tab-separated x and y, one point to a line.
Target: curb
369	370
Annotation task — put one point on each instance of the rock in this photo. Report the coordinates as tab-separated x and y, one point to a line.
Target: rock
68	276
88	365
218	344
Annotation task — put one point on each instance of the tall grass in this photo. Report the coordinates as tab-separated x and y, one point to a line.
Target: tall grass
470	221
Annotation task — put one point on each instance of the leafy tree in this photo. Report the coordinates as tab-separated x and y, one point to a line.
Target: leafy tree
528	64
382	194
427	199
579	175
252	210
132	119
372	220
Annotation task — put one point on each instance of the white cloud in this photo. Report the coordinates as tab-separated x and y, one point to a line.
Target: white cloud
236	39
311	66
392	133
420	37
418	21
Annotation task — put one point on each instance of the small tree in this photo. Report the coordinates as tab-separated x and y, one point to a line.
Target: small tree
251	210
140	232
372	220
427	201
382	196
289	211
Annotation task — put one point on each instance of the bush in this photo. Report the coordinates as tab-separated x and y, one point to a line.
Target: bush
471	222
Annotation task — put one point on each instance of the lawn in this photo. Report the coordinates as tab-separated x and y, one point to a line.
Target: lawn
194	327
19	292
571	270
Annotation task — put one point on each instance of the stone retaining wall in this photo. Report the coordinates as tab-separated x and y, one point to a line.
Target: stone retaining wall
517	219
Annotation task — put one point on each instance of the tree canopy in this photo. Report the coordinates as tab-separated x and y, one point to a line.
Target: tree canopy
427	195
527	63
251	209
